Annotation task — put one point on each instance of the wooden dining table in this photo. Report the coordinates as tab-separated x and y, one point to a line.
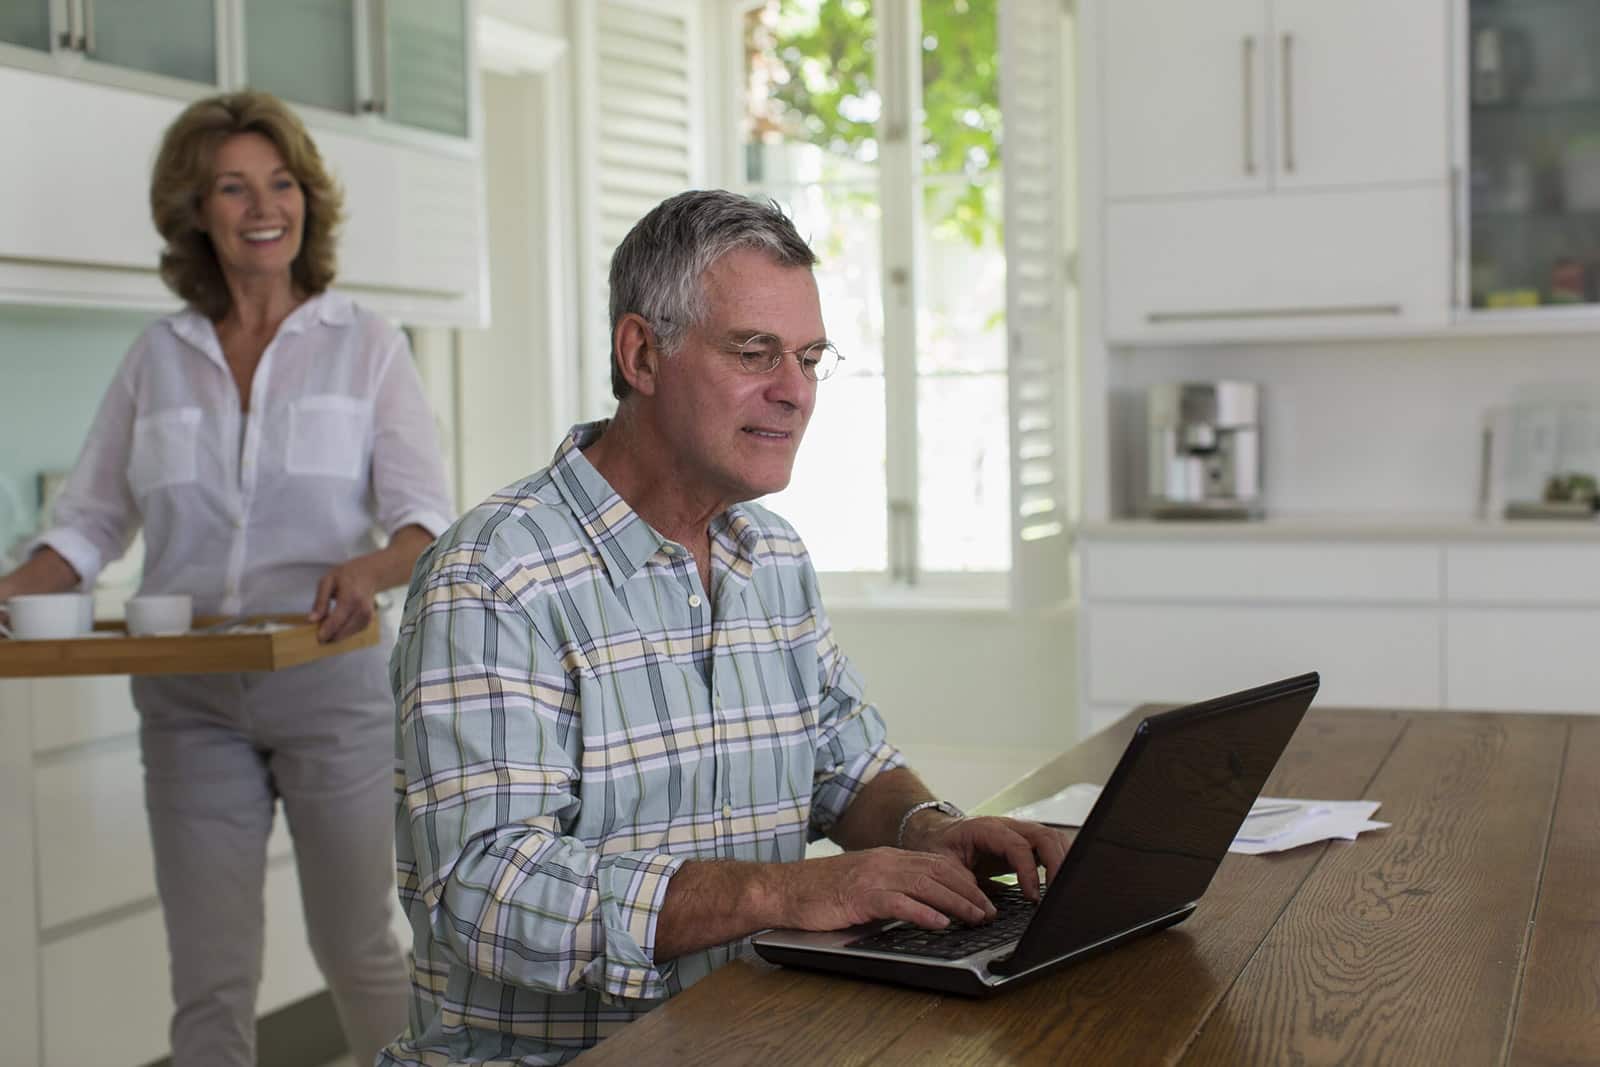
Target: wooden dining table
1466	933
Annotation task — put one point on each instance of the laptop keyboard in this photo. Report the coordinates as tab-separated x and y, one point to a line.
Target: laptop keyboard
958	939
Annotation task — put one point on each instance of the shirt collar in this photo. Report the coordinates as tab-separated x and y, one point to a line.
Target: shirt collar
332	309
625	541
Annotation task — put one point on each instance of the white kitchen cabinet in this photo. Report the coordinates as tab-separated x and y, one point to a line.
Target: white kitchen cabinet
1275	168
406	63
1185	86
75	226
1457	617
1251	95
1361	92
1321	262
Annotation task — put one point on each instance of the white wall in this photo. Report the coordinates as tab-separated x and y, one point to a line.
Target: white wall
1373	426
965	678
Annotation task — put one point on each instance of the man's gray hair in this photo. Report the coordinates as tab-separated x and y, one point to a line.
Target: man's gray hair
656	271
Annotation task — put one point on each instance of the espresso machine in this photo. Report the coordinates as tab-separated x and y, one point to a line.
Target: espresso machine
1204	450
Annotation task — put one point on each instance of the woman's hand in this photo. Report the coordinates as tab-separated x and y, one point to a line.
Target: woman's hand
346	600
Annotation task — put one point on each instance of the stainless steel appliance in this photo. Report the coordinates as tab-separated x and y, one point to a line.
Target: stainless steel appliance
1204	450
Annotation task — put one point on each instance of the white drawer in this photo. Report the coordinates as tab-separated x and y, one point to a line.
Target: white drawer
69	711
1368	657
1523	574
1256	571
93	845
93	839
114	978
1510	659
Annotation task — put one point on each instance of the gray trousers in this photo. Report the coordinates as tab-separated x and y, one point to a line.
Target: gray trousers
219	750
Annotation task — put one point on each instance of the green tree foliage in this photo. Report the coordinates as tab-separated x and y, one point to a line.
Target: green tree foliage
827	96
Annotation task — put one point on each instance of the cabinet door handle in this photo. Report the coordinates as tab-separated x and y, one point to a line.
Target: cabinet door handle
1330	311
69	39
1247	51
1288	103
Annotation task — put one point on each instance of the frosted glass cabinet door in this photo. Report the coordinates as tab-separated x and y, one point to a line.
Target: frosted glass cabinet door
303	51
26	22
425	59
177	38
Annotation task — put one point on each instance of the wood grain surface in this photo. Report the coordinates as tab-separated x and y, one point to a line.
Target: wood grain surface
1467	933
191	653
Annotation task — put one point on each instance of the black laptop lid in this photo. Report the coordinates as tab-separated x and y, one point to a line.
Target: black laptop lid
1166	817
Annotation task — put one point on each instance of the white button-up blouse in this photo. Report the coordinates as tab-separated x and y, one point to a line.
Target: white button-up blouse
245	511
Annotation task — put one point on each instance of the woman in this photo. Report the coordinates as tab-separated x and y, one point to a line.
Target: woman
258	437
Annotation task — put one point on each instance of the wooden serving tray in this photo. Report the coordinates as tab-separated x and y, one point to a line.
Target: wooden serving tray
191	653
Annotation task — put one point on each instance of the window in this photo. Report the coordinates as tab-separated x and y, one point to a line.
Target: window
877	126
935	458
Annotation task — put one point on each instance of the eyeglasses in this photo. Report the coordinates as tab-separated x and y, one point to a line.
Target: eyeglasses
762	353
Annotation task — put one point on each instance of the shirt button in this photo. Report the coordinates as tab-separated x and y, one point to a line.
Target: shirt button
669	550
694	600
727	811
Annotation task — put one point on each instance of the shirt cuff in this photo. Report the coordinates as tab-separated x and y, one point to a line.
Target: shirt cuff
432	521
833	793
75	548
632	890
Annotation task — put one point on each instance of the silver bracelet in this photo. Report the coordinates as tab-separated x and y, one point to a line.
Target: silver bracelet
941	805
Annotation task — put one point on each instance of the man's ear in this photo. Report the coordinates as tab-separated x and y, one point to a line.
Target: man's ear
633	349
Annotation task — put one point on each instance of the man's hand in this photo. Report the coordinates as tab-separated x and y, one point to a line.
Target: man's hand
924	888
991	845
345	601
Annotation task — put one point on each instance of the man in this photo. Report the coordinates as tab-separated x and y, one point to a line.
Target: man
622	712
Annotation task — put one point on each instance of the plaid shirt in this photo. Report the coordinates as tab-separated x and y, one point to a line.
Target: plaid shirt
573	725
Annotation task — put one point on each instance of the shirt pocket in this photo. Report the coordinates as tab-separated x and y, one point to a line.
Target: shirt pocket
328	436
165	450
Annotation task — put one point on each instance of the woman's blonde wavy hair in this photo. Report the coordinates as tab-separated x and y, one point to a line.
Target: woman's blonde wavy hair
182	177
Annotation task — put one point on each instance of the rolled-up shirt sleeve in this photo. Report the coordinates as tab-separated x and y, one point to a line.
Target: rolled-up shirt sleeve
408	479
94	516
852	742
490	744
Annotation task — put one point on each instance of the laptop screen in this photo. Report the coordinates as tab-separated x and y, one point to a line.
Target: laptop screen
1166	817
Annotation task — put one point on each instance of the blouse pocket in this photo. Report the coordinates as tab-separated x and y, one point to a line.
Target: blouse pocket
328	436
165	450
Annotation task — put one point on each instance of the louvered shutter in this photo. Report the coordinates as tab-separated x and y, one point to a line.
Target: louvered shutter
640	141
1033	96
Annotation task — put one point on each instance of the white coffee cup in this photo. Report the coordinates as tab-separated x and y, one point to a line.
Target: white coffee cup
149	616
47	616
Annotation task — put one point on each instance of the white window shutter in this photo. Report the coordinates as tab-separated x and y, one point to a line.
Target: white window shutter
641	138
1033	96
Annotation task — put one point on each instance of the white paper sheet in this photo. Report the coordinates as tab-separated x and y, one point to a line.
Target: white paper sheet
1273	825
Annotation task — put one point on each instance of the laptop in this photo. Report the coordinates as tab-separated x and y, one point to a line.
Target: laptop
1140	863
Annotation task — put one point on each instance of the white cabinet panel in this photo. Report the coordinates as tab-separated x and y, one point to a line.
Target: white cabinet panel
1185	96
1511	574
1368	657
106	992
69	711
1362	91
1334	263
19	986
1262	572
70	202
1504	659
120	969
288	970
74	230
93	844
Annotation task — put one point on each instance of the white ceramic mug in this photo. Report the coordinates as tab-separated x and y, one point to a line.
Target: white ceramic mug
47	616
149	616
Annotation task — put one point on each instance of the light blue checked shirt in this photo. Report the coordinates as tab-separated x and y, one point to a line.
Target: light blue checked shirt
575	722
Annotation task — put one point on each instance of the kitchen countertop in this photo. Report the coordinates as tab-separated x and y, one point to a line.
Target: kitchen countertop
1343	527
